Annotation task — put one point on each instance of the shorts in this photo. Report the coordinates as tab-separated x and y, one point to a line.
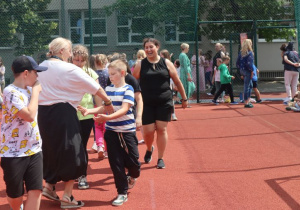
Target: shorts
254	84
17	170
153	113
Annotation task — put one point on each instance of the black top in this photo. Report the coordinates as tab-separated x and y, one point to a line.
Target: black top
155	83
292	56
217	55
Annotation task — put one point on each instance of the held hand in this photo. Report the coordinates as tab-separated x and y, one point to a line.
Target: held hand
100	118
190	79
232	77
84	111
184	104
296	64
109	109
37	86
138	123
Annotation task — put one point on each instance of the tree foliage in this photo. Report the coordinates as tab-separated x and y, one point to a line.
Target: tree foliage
219	10
22	27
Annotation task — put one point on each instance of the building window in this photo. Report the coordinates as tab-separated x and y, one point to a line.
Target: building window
52	16
80	27
183	31
133	30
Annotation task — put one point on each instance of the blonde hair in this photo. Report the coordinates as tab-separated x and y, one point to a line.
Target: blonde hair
57	44
226	57
246	47
141	54
118	65
101	59
183	46
81	50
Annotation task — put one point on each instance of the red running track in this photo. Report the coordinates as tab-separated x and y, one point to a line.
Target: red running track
218	157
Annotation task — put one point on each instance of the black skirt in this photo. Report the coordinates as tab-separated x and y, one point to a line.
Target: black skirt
64	155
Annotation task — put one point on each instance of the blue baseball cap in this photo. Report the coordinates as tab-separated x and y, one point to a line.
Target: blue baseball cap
23	63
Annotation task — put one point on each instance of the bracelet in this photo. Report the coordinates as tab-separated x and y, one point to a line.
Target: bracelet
107	103
183	100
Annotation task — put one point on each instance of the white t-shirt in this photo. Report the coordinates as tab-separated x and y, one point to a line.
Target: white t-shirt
64	82
19	138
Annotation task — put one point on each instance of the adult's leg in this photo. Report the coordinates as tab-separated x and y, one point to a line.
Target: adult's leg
15	203
247	80
33	200
149	131
294	82
162	137
287	83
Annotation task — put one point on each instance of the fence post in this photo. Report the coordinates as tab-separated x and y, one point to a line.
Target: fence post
63	18
297	13
196	49
255	41
91	27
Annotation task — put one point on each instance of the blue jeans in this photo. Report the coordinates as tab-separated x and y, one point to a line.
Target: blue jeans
247	86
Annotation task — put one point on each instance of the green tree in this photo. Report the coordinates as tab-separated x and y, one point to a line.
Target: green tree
22	27
218	10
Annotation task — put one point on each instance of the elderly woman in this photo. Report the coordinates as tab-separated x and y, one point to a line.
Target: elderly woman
63	88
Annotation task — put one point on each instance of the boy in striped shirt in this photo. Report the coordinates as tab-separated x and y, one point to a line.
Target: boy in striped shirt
120	131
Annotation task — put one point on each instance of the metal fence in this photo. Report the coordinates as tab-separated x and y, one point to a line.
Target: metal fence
120	25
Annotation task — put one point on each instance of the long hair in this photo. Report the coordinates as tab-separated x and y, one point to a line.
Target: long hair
246	47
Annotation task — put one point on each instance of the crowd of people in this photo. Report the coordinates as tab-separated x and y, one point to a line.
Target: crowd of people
74	93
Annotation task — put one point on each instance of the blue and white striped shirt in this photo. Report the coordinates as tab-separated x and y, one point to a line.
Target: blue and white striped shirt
125	123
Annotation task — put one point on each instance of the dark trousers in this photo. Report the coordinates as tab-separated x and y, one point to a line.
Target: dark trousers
85	132
223	87
119	159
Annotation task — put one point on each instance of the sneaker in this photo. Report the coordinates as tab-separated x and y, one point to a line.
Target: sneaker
120	200
248	105
214	101
286	103
288	108
258	101
94	148
295	109
234	103
141	141
100	151
173	117
82	183
148	155
209	94
252	100
160	164
131	182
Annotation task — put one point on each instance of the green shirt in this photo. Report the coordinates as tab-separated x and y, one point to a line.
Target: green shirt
87	99
225	77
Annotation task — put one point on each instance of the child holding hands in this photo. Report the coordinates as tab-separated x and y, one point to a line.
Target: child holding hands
225	79
120	128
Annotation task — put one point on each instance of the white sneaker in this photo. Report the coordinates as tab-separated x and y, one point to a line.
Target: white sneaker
82	183
141	141
173	117
120	200
94	147
131	182
100	151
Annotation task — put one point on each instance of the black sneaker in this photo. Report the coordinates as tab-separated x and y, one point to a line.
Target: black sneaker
160	164
148	155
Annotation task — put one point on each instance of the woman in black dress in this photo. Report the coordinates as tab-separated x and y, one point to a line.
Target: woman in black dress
154	73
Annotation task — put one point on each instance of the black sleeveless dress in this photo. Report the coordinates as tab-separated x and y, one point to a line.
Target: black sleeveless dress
156	91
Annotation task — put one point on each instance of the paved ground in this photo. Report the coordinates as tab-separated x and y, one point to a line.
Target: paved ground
218	157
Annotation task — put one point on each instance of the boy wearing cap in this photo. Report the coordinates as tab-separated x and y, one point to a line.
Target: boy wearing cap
20	145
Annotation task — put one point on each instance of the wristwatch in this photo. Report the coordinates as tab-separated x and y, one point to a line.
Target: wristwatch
183	100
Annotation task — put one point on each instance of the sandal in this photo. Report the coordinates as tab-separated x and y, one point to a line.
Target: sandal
70	203
51	194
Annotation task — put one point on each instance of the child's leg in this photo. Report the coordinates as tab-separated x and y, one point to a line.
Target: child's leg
116	155
230	92
221	89
33	200
99	134
257	94
132	159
